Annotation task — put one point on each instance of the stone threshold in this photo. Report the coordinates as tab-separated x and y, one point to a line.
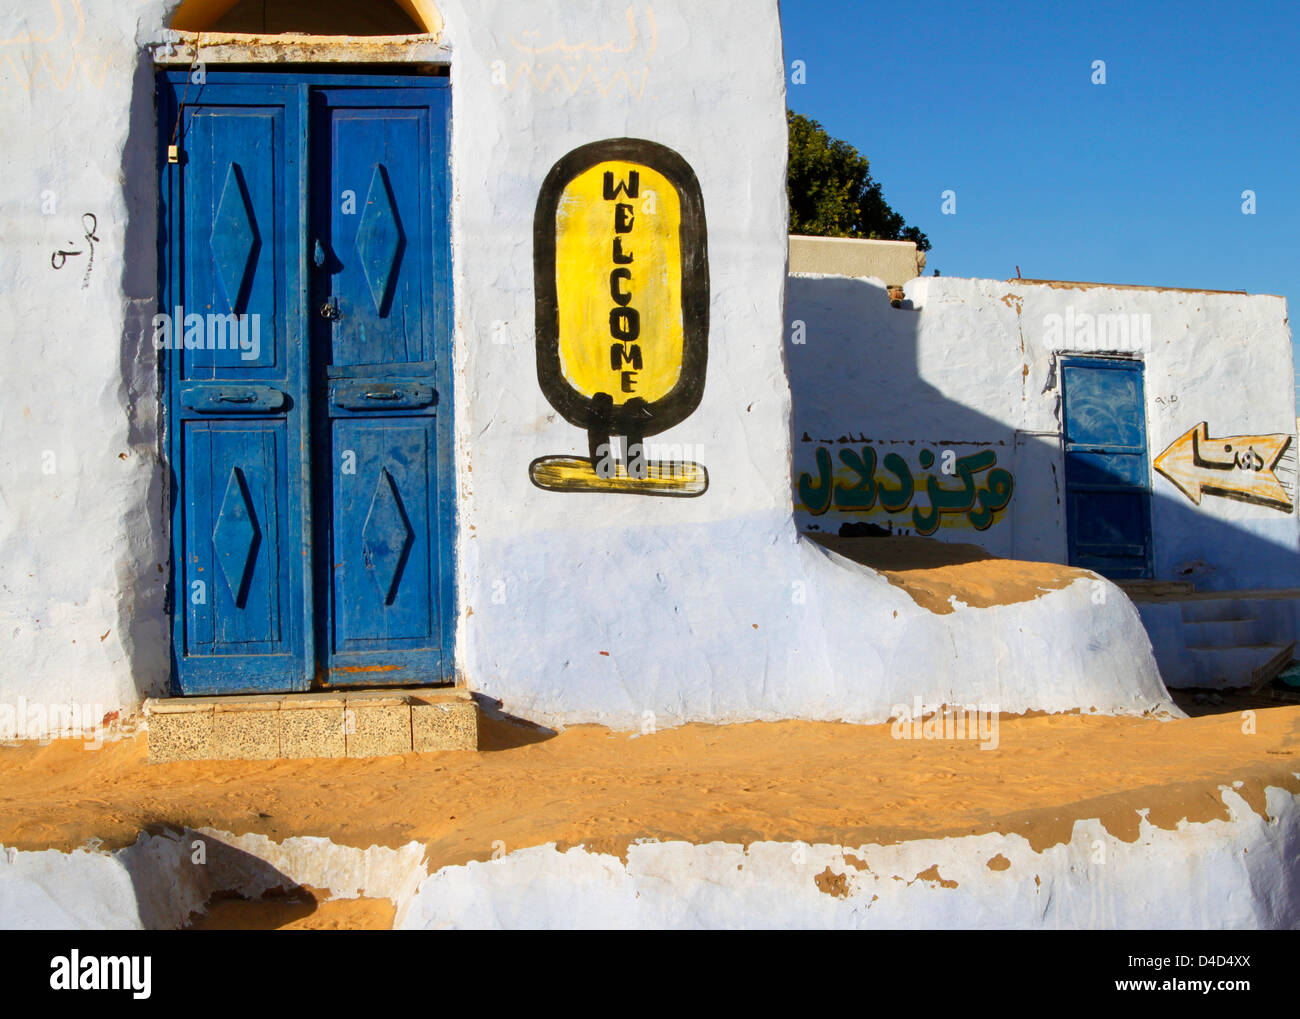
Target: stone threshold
332	723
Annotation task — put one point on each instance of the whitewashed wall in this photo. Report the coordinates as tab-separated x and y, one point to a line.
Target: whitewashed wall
83	550
574	607
1238	873
971	364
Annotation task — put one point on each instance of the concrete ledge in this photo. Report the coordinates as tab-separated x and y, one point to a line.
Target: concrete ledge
361	723
894	262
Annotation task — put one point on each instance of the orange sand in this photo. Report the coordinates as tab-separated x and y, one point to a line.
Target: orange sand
932	571
302	909
815	782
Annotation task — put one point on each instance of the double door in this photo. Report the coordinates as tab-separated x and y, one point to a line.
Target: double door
305	333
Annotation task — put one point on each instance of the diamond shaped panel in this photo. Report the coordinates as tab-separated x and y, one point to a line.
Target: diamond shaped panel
386	537
236	534
234	237
379	237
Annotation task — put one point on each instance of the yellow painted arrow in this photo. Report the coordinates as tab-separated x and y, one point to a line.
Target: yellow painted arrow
1235	466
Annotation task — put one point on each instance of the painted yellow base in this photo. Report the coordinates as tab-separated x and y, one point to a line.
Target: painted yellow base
575	474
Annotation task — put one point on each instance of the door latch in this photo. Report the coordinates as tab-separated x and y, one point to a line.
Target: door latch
330	309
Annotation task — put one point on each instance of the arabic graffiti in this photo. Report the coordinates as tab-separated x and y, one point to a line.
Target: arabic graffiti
58	259
1238	467
857	489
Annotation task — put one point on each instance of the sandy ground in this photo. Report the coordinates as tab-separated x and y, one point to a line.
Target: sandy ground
816	782
932	572
300	909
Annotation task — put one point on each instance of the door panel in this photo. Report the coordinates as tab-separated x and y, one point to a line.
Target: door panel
384	575
384	286
236	390
234	519
382	277
234	259
1108	509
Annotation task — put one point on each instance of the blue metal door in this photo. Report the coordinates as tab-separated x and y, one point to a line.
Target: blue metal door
1107	481
305	336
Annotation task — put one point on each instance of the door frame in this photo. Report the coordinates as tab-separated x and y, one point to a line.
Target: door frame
306	78
1105	362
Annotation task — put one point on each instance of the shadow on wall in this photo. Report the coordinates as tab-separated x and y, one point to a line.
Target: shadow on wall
864	416
142	615
179	874
861	407
1217	555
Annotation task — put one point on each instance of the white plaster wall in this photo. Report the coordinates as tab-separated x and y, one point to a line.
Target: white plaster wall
1239	873
974	362
1234	875
612	608
573	607
161	879
81	495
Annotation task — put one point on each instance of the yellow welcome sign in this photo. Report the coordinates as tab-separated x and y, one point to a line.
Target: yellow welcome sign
621	280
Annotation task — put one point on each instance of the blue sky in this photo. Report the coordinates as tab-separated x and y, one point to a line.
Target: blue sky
1138	180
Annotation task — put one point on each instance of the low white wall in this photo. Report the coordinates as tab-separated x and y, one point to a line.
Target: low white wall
972	365
1240	873
803	633
1228	875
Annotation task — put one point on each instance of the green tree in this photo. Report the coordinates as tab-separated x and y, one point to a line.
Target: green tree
832	193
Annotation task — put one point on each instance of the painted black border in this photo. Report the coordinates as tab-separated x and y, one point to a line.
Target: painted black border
685	396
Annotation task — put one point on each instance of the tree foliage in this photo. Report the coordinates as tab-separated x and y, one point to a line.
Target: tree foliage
832	193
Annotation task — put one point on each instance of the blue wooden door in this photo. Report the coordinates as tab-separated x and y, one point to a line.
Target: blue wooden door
382	324
305	339
1107	480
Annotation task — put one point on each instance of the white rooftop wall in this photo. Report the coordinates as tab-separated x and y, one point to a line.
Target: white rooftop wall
973	364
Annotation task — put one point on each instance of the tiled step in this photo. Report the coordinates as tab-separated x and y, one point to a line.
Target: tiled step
360	723
1222	668
1143	590
1234	632
1211	610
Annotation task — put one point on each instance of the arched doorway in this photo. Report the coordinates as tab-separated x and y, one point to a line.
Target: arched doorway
312	17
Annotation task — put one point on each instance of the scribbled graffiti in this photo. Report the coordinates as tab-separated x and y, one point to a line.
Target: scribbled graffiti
856	487
622	312
1242	467
606	67
89	224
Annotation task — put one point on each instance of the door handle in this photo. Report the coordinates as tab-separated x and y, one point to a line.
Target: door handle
330	309
362	395
227	397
